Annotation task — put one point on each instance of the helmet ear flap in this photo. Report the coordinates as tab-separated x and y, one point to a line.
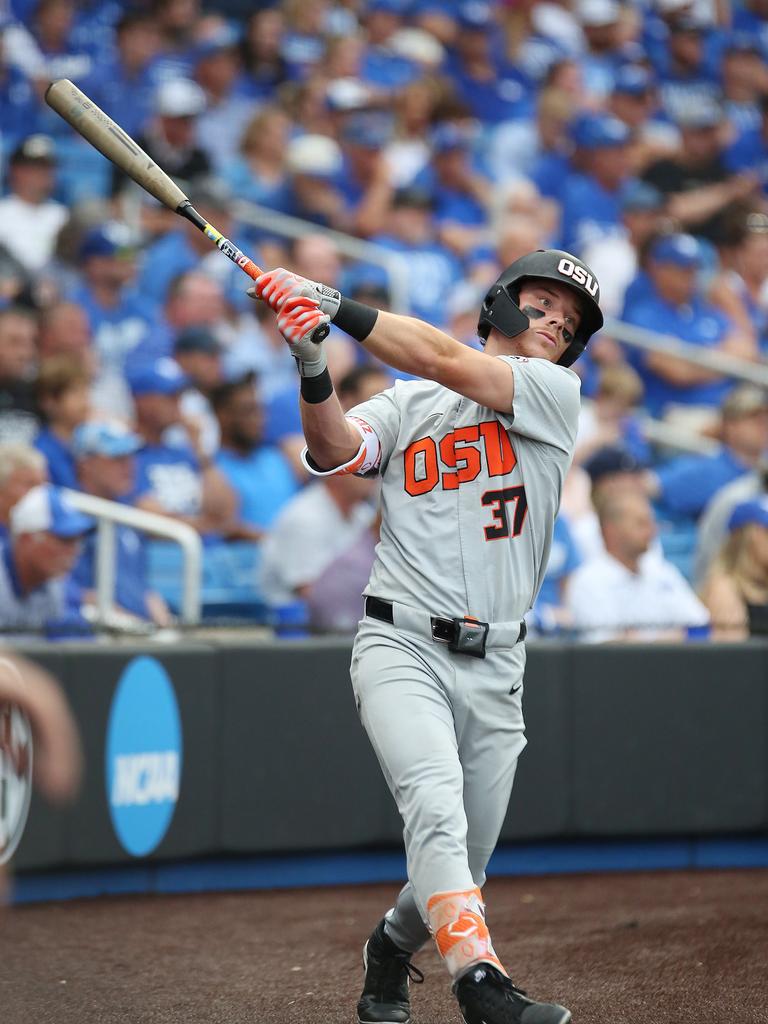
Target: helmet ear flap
500	312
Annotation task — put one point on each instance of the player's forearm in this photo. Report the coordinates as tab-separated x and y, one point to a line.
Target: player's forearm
331	440
412	346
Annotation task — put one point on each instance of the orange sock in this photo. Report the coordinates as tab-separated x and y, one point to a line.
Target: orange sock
457	922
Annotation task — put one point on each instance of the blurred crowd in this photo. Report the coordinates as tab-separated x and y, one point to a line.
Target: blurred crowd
455	136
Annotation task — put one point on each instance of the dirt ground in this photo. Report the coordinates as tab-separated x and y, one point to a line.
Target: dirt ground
660	948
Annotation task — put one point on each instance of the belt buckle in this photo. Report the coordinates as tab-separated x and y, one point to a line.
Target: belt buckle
469	637
448	624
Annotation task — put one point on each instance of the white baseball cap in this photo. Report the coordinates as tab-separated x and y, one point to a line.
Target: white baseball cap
316	155
46	508
179	97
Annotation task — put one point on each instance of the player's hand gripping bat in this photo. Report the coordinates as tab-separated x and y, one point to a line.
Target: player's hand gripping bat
116	145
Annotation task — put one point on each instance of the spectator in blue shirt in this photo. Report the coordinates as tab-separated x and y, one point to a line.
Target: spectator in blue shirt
493	88
433	271
675	305
19	106
218	70
259	174
120	317
749	152
685	485
122	81
698	184
173	479
22	467
315	163
365	180
36	588
265	65
743	75
592	200
260	474
104	452
681	65
63	395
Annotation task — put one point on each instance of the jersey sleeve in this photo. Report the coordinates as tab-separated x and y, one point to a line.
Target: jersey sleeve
546	402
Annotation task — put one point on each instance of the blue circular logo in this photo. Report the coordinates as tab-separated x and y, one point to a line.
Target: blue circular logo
143	756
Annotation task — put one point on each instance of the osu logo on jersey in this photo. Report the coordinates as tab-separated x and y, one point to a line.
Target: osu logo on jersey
457	459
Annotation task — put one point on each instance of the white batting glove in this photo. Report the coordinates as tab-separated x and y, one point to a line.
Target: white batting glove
304	325
277	286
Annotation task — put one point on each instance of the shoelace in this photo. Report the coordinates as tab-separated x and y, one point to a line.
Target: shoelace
392	967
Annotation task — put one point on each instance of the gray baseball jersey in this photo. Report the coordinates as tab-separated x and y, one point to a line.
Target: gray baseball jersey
469	498
470	495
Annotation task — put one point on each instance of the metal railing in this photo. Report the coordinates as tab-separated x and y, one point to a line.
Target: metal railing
667	344
348	245
108	513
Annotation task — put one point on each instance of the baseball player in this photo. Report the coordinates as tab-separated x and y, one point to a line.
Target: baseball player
472	460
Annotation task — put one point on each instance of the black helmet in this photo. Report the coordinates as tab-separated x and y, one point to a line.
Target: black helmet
501	311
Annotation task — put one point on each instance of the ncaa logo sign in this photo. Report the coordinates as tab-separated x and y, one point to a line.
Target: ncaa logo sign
15	777
579	275
143	756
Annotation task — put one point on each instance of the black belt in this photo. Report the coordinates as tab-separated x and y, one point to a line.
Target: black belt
463	635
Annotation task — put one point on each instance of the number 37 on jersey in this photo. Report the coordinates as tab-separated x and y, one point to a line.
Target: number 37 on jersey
460	457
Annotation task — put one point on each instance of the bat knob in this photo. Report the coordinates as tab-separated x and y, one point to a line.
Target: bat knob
320	333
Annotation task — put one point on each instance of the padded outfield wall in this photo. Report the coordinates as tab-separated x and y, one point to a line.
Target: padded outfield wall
207	751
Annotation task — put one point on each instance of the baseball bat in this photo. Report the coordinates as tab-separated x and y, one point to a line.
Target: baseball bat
116	145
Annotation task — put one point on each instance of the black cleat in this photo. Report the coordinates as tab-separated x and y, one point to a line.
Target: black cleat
388	973
486	996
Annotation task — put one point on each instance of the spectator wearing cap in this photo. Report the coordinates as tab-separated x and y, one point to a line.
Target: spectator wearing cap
63	396
635	101
314	164
684	486
493	88
104	452
365	180
22	467
31	218
259	474
736	588
675	304
198	353
218	71
174	479
591	199
461	194
259	173
603	23
681	66
122	80
170	136
744	77
621	594
741	287
382	65
120	316
433	271
696	180
615	259
18	358
37	591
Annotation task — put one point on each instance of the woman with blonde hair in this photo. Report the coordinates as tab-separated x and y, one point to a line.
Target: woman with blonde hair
736	588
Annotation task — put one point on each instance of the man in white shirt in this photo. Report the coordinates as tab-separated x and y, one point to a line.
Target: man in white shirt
31	219
619	595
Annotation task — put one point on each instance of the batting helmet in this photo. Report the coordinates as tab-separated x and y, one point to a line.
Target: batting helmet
500	306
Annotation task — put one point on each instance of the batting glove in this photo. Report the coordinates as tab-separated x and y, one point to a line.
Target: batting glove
277	286
303	324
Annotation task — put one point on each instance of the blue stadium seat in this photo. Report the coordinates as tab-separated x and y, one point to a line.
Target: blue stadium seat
82	173
230	589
